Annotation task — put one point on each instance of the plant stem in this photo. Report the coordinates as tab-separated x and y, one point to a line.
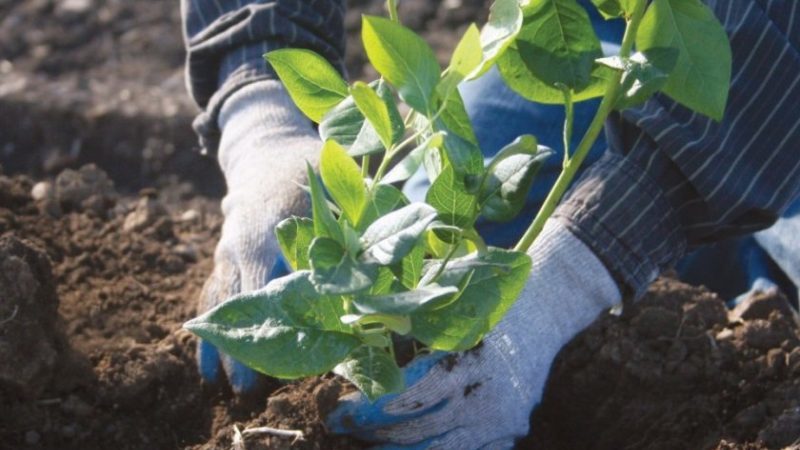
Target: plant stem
574	162
568	120
446	259
365	166
391	346
391	5
392	152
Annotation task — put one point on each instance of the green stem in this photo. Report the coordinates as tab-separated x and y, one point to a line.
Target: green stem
391	5
365	166
574	162
446	259
568	120
391	346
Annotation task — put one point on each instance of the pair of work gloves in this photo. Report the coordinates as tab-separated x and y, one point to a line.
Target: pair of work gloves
482	398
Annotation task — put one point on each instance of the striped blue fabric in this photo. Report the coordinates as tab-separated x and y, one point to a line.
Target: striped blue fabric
226	41
673	180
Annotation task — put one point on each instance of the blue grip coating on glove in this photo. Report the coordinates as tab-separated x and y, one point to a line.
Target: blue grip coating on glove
241	378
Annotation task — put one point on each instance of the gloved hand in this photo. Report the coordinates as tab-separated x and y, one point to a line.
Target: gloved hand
482	398
265	144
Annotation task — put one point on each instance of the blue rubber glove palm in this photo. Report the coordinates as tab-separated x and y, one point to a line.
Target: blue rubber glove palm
482	398
265	144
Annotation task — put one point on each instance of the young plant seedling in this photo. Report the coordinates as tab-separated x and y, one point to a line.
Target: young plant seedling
369	263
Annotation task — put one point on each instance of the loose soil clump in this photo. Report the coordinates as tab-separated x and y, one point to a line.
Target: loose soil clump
677	370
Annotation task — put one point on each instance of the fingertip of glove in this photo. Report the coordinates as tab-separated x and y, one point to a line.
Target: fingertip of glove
244	380
208	363
280	269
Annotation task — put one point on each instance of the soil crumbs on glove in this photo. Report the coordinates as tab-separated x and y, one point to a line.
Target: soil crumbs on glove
677	371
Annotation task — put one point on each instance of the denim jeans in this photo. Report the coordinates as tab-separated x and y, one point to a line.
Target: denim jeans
731	268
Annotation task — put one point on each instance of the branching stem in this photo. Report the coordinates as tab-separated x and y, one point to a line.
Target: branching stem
574	162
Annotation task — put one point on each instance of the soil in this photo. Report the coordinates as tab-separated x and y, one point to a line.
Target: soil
677	370
108	221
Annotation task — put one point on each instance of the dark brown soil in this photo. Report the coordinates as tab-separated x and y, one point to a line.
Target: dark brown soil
98	273
677	371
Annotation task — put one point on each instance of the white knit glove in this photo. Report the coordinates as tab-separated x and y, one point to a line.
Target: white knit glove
482	398
265	144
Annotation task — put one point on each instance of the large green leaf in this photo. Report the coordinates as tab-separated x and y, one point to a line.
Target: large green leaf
342	177
558	44
394	235
509	177
294	236
450	198
701	77
542	52
403	58
497	278
520	79
286	330
336	271
382	199
402	303
312	82
373	371
505	21
324	222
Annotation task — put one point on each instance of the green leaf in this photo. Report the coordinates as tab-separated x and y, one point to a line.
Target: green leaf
505	21
312	82
409	165
466	57
383	282
335	271
398	324
346	124
325	224
558	44
611	9
269	328
440	249
450	198
498	277
701	77
373	371
382	200
509	177
522	81
409	270
342	177
294	236
403	58
377	112
394	235
402	303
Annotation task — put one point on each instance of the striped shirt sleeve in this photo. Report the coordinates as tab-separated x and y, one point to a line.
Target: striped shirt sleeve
673	180
226	41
